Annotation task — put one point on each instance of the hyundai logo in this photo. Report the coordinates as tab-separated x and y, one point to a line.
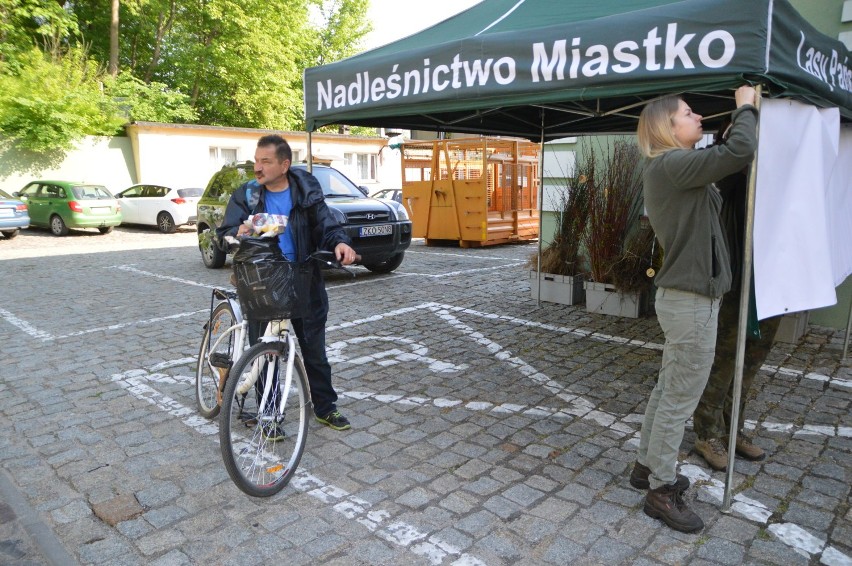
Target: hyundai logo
371	216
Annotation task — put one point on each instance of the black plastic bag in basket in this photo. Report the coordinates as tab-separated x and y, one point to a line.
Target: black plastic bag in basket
268	286
256	250
273	290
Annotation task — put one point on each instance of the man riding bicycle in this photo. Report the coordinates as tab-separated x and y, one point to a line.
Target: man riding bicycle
297	194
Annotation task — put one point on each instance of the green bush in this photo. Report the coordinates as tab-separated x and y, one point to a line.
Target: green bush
53	100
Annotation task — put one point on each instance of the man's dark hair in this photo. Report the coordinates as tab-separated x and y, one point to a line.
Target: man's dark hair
282	148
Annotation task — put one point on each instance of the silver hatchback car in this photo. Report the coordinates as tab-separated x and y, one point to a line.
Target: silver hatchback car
13	215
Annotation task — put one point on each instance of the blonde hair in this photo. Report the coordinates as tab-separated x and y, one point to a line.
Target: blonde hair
655	126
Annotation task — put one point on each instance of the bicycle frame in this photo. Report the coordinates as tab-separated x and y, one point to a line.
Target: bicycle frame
241	338
261	448
276	331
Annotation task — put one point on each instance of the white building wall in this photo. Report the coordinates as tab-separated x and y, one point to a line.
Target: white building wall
180	156
185	155
558	162
104	161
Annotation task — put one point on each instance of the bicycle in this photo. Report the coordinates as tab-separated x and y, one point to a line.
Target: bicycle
261	448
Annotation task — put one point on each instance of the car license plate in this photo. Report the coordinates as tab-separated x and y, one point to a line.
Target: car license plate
382	230
6	213
101	210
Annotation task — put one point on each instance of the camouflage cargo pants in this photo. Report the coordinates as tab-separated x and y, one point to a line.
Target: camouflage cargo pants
712	417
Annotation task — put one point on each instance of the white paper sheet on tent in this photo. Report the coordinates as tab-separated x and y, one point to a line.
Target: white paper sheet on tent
793	244
840	207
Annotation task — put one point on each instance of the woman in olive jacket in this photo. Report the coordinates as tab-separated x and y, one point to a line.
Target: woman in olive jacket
683	206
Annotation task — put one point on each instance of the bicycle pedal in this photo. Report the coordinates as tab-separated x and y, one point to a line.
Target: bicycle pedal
220	360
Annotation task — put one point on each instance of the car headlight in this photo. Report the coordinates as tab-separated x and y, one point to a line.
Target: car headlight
338	216
401	213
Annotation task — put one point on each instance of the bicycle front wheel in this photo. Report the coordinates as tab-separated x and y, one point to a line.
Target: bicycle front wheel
213	366
262	437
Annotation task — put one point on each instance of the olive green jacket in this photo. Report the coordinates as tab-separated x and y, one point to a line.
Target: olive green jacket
683	206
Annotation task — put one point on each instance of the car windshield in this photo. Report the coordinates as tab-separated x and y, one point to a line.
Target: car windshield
90	192
4	194
195	192
335	184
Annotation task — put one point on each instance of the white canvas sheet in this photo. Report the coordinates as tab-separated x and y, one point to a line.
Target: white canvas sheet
840	208
802	240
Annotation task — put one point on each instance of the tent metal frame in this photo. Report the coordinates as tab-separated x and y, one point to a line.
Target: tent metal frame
745	291
848	329
584	113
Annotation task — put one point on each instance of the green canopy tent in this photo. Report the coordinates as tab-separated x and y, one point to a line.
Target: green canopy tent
546	70
527	68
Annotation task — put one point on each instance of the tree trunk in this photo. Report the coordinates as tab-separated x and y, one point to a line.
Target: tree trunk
113	39
163	27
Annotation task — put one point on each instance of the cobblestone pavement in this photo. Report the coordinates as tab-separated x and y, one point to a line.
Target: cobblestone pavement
486	429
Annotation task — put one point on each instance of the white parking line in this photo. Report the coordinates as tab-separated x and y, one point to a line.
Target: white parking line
137	382
789	533
383	523
131	269
34	332
24	326
118	326
465	256
560	413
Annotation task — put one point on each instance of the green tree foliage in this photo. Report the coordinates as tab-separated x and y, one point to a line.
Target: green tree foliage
53	100
342	28
240	61
236	60
151	102
145	27
221	62
25	23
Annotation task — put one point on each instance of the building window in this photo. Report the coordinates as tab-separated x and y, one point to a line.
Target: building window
220	156
361	165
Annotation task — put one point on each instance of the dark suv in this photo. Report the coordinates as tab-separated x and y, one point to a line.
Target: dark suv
380	229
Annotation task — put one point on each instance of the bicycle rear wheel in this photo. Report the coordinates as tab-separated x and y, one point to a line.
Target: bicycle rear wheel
262	449
212	368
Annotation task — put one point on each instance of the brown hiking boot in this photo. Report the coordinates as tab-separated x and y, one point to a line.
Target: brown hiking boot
640	473
665	503
714	452
748	450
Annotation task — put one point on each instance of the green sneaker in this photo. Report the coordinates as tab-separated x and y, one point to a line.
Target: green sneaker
272	432
335	420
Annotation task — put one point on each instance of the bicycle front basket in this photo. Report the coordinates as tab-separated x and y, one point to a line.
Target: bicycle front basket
273	290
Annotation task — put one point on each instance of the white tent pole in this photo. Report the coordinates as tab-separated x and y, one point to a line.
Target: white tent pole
848	328
540	211
745	291
310	153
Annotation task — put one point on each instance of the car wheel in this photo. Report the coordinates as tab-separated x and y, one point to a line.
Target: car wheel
105	229
57	226
10	233
211	255
386	266
165	223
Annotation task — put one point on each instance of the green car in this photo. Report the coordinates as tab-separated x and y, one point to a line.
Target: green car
60	205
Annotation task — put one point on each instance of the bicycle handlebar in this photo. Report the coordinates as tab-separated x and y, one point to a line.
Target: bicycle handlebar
329	259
